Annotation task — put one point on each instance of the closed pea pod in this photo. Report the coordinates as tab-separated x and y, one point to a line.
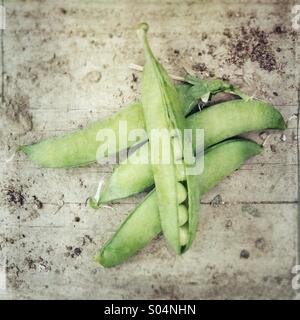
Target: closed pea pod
143	223
219	122
80	147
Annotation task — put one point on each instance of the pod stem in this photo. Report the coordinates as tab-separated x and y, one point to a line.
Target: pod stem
94	202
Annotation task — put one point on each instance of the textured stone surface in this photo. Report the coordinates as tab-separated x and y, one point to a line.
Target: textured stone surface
66	65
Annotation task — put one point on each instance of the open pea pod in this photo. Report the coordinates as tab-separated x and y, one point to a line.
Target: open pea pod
163	111
219	122
143	223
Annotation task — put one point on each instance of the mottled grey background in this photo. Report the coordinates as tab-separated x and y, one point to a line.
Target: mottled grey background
65	64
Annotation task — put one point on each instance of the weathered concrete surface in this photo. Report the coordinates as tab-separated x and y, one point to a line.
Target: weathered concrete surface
66	65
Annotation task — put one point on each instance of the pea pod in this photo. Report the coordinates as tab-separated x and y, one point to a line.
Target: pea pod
143	223
79	148
219	122
163	111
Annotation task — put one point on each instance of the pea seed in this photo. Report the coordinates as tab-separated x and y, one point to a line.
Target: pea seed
182	214
184	235
181	193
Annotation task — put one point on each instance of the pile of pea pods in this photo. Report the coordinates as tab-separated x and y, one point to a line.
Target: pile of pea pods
172	204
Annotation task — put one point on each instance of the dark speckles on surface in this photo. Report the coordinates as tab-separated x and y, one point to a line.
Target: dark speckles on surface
77	251
227	33
134	77
279	29
272	187
63	11
220	278
211	49
252	43
49	250
15	116
228	224
278	279
15	196
37	202
244	254
251	210
73	253
230	14
87	240
204	36
260	243
201	67
39	264
216	201
273	148
166	290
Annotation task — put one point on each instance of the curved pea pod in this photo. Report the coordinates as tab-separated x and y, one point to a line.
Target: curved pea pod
80	147
143	223
220	122
235	117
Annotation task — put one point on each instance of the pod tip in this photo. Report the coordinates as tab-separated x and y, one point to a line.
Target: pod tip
93	203
106	263
143	26
97	258
24	148
284	125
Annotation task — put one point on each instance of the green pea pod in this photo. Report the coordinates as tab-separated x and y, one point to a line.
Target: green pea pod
163	111
143	223
80	147
219	122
